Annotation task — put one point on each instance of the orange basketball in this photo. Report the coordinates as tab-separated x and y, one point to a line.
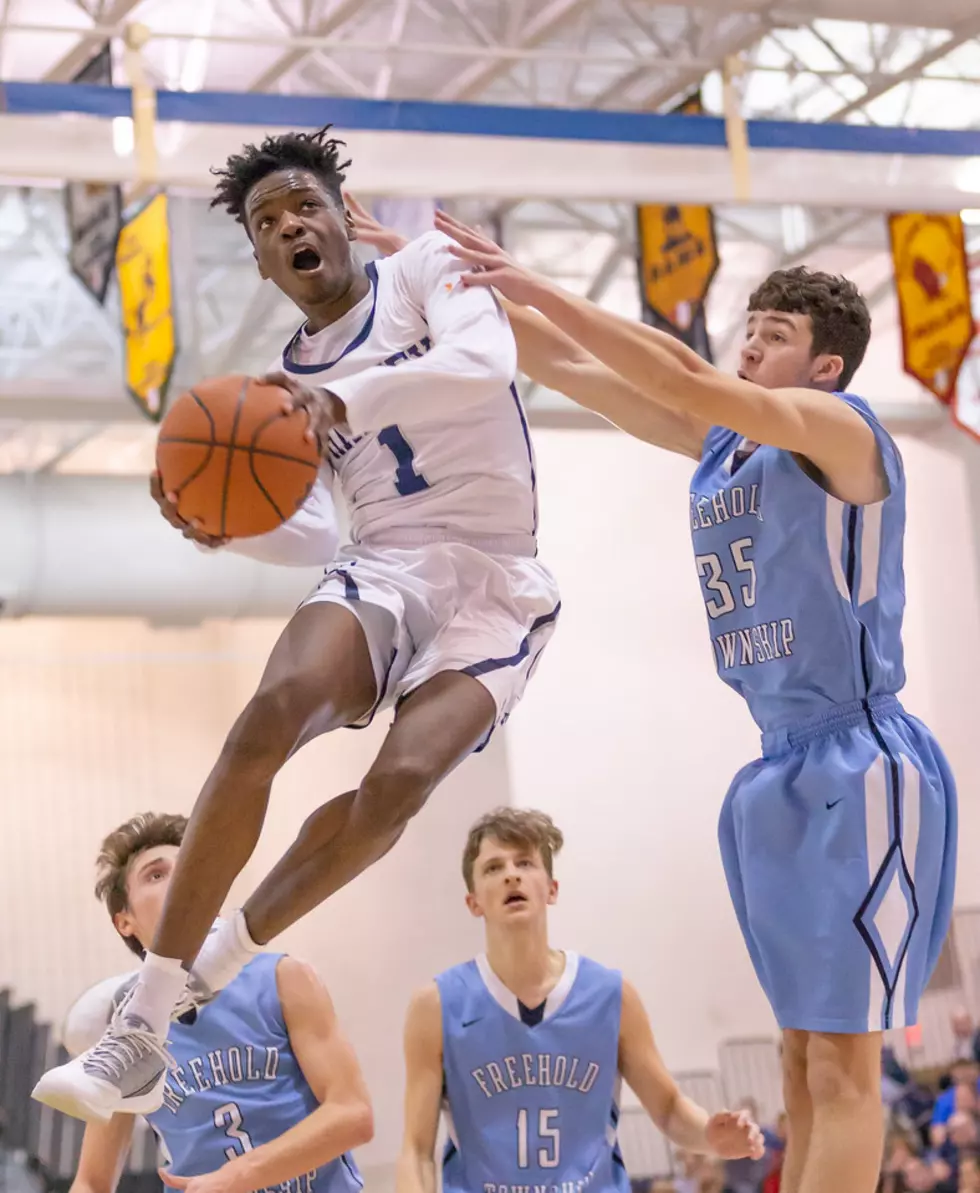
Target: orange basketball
237	463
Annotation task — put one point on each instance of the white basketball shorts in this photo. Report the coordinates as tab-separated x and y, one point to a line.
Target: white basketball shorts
445	606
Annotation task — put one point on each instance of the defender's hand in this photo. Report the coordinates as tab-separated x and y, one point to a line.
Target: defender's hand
368	230
491	265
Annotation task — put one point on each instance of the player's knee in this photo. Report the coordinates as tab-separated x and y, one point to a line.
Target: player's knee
839	1071
796	1093
394	791
271	724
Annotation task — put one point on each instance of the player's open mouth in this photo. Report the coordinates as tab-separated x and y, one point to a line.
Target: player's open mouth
305	260
515	897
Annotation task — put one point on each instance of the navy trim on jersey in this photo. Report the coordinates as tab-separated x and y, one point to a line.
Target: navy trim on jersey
487	665
530	457
291	366
354	1174
382	692
351	591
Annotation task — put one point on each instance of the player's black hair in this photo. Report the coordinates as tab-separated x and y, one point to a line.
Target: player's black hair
838	312
315	152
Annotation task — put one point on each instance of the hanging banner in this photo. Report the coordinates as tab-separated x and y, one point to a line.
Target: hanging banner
932	280
678	259
965	406
93	210
146	301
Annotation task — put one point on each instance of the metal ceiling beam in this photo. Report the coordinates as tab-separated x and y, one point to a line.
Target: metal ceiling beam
396	32
683	76
68	66
961	33
344	11
475	78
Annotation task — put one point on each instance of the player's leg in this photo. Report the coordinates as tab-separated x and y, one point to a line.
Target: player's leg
319	676
435	728
474	655
847	1140
799	1110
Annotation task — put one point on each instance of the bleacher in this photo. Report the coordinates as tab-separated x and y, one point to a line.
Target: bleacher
39	1148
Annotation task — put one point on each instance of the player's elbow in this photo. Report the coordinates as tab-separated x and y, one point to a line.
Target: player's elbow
486	354
488	369
360	1123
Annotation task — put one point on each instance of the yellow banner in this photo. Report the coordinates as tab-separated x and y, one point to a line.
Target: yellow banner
678	259
933	283
146	299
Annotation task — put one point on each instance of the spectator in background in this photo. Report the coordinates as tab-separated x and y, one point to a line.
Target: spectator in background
963	1073
969	1181
961	1139
698	1174
966	1037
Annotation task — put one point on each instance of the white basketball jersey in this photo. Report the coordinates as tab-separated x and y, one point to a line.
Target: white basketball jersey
436	443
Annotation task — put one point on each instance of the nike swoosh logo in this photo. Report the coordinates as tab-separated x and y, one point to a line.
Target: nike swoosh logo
834	804
470	1022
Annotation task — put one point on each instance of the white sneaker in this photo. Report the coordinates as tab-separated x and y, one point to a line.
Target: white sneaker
123	1074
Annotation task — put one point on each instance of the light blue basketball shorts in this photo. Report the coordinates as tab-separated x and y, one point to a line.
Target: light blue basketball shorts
839	846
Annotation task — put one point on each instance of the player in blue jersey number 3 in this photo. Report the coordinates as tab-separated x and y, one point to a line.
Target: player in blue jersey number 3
839	844
263	1092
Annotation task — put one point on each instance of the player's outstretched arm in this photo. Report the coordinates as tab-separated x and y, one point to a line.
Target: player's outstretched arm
730	1136
830	434
343	1119
103	1155
550	357
416	1171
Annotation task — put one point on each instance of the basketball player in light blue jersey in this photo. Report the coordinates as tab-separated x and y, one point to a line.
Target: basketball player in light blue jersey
839	844
525	1048
264	1091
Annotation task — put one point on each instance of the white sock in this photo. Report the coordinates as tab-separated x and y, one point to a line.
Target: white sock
226	952
160	984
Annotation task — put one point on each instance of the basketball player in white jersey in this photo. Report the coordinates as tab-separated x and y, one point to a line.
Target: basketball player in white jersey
525	1048
266	1091
439	607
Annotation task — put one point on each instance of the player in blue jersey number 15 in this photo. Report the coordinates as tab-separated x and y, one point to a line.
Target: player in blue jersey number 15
264	1090
526	1046
839	844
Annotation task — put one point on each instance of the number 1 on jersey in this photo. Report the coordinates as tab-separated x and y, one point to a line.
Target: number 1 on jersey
407	480
548	1157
